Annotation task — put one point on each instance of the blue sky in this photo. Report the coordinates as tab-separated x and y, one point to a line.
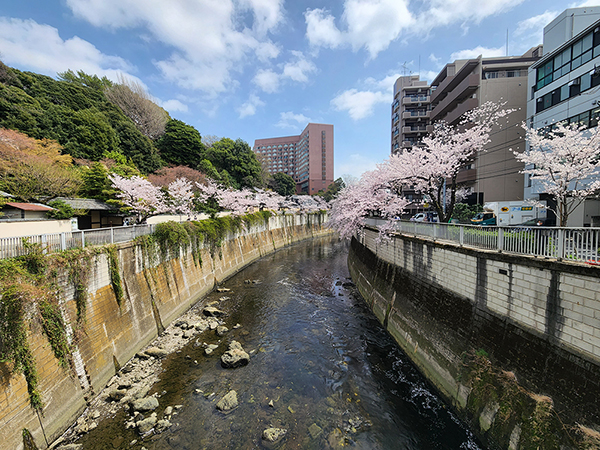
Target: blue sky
263	68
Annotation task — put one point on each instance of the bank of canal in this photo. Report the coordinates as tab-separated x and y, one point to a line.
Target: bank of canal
321	367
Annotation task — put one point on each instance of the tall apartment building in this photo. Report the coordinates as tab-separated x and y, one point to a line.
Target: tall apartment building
565	85
466	84
307	158
410	112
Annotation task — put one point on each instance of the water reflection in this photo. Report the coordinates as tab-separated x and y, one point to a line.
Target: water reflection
321	367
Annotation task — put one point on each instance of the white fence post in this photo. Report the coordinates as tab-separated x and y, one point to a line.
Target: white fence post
560	245
500	239
462	235
63	241
82	239
112	235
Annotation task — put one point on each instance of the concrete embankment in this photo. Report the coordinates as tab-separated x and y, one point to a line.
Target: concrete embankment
512	342
157	287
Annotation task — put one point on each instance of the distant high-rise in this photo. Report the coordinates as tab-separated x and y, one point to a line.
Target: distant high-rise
307	158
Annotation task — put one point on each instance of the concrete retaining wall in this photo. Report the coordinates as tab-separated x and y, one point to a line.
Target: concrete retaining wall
155	293
538	320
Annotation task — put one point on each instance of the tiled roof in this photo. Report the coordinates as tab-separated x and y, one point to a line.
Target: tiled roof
30	206
87	203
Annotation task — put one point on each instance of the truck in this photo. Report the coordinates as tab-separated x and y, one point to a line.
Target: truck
505	214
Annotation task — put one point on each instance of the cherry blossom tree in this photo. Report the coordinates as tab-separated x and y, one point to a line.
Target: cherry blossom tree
433	168
181	196
377	192
565	160
137	193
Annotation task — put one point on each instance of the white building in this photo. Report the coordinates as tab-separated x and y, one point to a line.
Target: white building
565	85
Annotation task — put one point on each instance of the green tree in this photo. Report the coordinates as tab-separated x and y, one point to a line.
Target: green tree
181	145
83	79
238	160
62	211
332	190
283	184
463	212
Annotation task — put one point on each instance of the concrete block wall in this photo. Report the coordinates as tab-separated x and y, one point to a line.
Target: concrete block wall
154	296
536	318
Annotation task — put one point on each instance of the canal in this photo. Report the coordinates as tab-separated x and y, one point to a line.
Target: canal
321	367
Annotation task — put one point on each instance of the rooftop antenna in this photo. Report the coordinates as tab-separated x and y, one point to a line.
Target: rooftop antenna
405	68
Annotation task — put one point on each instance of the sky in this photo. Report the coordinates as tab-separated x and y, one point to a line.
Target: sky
255	69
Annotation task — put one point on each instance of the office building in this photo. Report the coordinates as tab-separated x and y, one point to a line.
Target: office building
565	85
307	158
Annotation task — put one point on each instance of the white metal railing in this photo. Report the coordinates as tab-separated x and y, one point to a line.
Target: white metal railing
576	244
11	247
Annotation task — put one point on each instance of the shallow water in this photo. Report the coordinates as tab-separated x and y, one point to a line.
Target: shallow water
335	377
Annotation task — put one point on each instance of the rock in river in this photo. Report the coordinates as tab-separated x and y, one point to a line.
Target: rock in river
228	402
273	434
145	404
211	311
235	356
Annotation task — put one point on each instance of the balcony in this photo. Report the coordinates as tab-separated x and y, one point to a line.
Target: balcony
450	82
464	89
413	99
454	115
414	129
415	114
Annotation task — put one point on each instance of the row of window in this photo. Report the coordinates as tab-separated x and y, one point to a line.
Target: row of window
569	59
569	90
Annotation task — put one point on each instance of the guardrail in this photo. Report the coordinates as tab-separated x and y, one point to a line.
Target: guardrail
11	247
576	244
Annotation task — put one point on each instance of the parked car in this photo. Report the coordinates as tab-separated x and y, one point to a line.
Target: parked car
484	218
540	222
425	217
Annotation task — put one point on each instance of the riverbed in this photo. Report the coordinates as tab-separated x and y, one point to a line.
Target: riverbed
321	368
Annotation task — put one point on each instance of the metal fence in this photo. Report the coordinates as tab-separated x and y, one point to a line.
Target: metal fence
11	247
576	244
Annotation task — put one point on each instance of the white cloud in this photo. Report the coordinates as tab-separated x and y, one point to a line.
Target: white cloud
209	38
447	12
437	61
479	50
321	30
375	24
40	48
386	84
267	80
249	108
297	69
291	120
359	104
174	105
370	24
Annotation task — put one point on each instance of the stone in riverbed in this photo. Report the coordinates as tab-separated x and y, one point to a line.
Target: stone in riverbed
235	356
156	352
273	434
222	330
228	402
145	404
146	425
211	311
